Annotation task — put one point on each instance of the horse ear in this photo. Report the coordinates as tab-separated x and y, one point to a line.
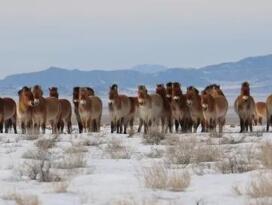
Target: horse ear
19	92
49	89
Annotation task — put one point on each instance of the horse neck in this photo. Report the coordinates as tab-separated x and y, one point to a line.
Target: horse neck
23	107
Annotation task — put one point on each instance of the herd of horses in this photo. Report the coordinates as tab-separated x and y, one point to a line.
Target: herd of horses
165	109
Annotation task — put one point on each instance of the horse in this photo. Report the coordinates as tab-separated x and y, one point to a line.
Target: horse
90	110
66	111
167	110
8	115
119	108
193	100
24	109
261	113
221	104
150	108
269	112
180	110
245	108
45	110
90	92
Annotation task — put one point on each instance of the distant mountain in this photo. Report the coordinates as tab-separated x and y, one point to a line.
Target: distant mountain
256	70
146	68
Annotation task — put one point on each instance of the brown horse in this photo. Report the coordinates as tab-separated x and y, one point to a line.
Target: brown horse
167	111
194	103
90	92
45	110
90	110
119	109
24	109
66	111
8	114
221	104
261	113
269	111
180	109
150	108
245	108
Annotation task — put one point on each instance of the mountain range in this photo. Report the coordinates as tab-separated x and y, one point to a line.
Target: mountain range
257	70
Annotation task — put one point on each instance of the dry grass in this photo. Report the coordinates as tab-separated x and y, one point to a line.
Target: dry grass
60	187
206	153
159	177
71	161
182	151
240	162
22	199
45	143
261	186
115	149
155	153
153	137
266	155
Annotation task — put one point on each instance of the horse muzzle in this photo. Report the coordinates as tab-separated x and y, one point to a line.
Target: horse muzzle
204	107
82	102
189	102
36	102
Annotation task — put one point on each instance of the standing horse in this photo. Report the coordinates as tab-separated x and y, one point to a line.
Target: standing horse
120	107
180	109
245	108
221	104
194	103
150	108
7	114
90	110
167	112
261	113
269	112
45	110
90	92
66	111
24	109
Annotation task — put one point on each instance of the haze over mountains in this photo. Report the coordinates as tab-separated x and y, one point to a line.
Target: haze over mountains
256	70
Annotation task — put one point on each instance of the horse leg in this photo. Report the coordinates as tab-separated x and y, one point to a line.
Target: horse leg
14	124
141	122
176	125
246	124
23	127
162	124
125	125
121	125
242	125
250	126
112	126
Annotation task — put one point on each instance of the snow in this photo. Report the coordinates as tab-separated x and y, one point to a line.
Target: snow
106	181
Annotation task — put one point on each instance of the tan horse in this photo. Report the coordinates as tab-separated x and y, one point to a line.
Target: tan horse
194	103
7	114
119	108
24	109
150	108
90	92
90	110
180	109
167	110
45	111
221	104
245	108
261	113
66	111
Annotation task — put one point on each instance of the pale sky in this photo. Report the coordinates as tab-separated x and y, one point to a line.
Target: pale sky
112	34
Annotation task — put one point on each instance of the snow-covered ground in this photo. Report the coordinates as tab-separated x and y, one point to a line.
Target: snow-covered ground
110	169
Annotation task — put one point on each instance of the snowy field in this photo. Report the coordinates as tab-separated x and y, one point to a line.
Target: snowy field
115	169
